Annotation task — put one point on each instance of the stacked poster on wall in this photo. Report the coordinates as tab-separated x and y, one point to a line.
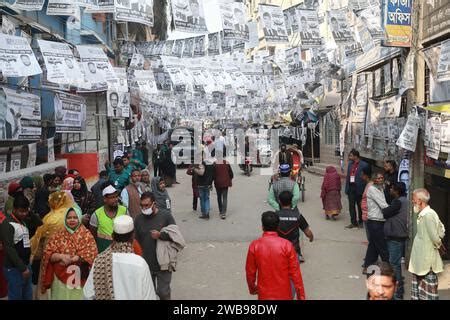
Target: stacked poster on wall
138	11
70	113
234	20
443	71
398	23
17	58
309	28
31	155
340	29
61	8
189	16
273	24
96	66
29	5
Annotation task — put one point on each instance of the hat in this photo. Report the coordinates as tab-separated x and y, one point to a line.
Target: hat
123	224
27	182
285	168
109	190
13	188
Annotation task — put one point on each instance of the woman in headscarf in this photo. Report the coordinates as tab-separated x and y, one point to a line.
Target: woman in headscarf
67	250
59	203
84	198
145	181
161	195
331	193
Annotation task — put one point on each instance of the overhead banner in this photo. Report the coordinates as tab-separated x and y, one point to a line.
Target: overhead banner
96	66
16	57
118	104
61	8
103	6
61	66
398	23
29	5
70	113
309	29
189	16
234	20
21	112
272	23
443	71
138	11
340	29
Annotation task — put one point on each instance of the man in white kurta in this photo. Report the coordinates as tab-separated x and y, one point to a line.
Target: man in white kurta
131	278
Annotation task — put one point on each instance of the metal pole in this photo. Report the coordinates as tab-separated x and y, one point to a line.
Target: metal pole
312	146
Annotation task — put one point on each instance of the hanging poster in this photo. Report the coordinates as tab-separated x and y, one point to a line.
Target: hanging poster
293	18
365	37
118	104
21	112
188	50
213	44
340	29
389	107
293	60
199	46
178	48
395	74
29	5
377	76
353	50
309	29
168	47
16	57
272	23
357	5
189	16
445	132
287	21
253	35
234	20
319	57
359	104
31	155
371	18
51	150
96	66
398	23
433	137
16	159
138	11
226	45
120	83
408	137
87	3
103	6
443	71
8	27
145	81
61	8
60	64
70	113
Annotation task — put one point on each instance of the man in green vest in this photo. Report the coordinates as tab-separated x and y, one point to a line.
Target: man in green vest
101	223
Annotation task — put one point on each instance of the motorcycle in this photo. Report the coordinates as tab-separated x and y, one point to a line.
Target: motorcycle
247	166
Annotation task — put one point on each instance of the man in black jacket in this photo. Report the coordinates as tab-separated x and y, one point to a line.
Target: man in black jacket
205	177
396	232
390	178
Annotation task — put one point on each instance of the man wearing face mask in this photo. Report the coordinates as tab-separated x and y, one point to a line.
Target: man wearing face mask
148	227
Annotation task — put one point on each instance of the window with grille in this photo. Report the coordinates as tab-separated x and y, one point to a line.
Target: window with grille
332	130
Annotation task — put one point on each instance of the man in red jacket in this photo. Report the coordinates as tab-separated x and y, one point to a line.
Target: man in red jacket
275	261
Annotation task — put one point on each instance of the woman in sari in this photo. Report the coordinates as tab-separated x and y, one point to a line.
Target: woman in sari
68	249
59	203
162	197
331	193
84	198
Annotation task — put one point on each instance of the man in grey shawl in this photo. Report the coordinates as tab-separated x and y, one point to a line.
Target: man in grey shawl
161	195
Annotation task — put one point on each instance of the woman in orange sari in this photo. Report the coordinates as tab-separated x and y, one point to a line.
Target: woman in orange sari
68	257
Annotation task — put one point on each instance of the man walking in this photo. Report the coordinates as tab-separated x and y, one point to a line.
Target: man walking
118	273
205	175
131	195
223	176
284	183
354	187
272	263
148	232
425	262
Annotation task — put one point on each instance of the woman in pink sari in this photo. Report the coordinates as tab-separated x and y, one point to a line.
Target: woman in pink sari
331	193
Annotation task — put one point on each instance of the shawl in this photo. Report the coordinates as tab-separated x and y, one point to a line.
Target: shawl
83	191
160	196
103	270
331	181
59	203
78	242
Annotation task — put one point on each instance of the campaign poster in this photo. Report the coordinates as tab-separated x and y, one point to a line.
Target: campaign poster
398	23
273	24
70	113
137	11
309	28
234	20
17	58
118	104
214	44
189	16
340	29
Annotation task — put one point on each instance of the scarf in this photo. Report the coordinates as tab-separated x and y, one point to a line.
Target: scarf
103	270
331	181
160	196
78	194
78	242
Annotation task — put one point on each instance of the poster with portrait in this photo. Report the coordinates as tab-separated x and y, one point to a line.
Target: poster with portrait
365	37
226	44
443	70
433	137
293	18
21	112
60	64
177	49
189	16
445	132
70	113
31	155
294	61
234	20
138	11
61	8
272	23
17	58
340	29
199	46
29	5
96	66
214	44
319	57
120	83
309	28
371	18
145	81
16	159
188	50
358	5
103	6
118	104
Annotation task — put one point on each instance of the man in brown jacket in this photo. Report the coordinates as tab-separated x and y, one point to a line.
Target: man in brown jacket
131	194
223	175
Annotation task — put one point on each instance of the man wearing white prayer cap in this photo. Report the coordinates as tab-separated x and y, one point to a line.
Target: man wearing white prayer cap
118	273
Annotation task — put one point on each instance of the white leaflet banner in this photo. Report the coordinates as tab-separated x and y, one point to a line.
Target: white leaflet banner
29	5
188	50
145	80
357	5
293	60
408	137
389	107
70	113
443	72
89	4
120	83
340	29
309	28
371	17
273	24
61	65
61	8
103	6
8	27
234	20
16	57
433	137
51	150
31	155
445	132
138	11
199	46
22	112
189	16
96	66
118	104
